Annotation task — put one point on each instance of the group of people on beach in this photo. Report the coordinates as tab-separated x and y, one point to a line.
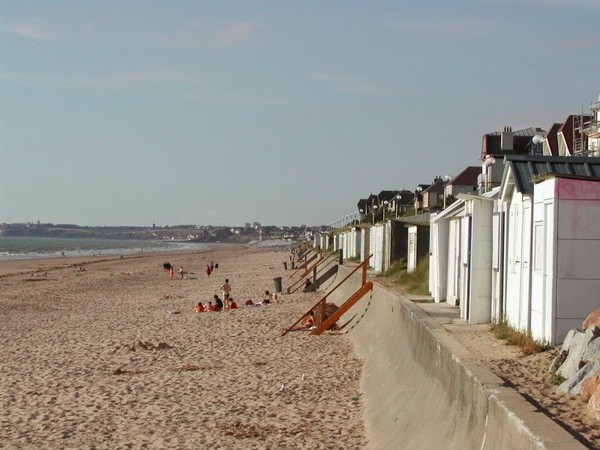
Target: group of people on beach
225	302
228	303
168	267
210	268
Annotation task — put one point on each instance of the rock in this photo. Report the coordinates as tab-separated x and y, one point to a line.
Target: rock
573	384
568	338
589	386
592	319
577	346
592	352
594	404
558	361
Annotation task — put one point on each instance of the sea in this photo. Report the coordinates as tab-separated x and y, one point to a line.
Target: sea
12	248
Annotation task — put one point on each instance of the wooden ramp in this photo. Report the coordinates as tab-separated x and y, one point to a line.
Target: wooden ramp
321	305
298	284
329	321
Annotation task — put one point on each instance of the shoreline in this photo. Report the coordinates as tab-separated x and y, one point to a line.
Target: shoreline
35	265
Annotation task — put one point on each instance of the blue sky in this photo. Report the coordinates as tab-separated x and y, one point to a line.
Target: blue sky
282	112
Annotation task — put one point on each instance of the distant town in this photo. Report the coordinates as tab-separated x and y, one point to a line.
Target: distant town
189	233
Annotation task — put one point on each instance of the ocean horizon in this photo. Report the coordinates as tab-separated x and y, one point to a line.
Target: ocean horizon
13	248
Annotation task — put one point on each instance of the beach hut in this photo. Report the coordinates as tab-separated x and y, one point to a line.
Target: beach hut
376	245
476	253
461	256
516	203
418	244
566	254
444	262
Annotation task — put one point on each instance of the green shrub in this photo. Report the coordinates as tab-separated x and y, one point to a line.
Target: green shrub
416	282
557	379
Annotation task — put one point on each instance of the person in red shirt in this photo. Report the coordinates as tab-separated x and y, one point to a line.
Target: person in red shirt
199	307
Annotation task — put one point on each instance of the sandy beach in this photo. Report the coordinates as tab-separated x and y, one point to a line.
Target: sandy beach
109	353
114	356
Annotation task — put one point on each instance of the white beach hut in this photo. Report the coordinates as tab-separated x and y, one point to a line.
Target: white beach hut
376	246
461	256
444	262
566	255
516	204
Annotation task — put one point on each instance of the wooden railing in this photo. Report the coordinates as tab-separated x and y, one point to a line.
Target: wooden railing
321	305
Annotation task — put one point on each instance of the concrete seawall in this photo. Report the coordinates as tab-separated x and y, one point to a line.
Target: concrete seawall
420	394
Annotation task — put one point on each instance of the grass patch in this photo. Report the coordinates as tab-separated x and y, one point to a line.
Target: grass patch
529	346
557	379
416	282
395	271
500	329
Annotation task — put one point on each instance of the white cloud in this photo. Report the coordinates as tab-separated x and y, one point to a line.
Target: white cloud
236	32
32	29
197	32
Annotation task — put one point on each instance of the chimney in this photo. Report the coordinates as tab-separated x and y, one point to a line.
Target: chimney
506	139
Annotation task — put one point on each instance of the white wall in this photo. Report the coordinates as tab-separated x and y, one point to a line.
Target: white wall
566	270
454	263
518	250
411	263
438	262
543	285
377	247
480	274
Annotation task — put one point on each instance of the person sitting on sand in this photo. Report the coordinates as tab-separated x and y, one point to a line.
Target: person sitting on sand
232	304
308	286
218	303
210	307
267	299
199	307
309	320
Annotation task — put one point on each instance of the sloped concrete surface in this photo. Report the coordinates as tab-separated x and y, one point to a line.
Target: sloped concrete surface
418	392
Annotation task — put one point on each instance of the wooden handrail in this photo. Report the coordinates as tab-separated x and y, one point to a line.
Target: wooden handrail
323	300
362	265
342	309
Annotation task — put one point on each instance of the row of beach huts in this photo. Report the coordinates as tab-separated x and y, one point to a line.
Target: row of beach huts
515	239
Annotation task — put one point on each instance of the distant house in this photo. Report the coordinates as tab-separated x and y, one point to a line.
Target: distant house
592	131
569	135
396	202
463	183
550	143
498	145
418	200
432	197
